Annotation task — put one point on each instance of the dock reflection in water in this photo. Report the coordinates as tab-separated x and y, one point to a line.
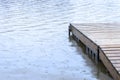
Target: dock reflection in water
34	42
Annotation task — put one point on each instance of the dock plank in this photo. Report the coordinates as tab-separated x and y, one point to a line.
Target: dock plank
104	40
113	55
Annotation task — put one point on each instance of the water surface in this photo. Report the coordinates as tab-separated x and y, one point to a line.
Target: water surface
34	43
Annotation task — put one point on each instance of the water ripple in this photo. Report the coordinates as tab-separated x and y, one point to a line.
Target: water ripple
33	38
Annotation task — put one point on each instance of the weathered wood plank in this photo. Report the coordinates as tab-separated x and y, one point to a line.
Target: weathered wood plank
111	45
113	55
103	39
109	65
111	49
115	52
115	61
118	69
116	65
113	58
84	39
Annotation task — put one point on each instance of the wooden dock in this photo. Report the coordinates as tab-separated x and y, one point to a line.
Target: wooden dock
102	40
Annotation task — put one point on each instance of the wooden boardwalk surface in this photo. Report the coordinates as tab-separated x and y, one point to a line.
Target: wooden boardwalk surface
103	39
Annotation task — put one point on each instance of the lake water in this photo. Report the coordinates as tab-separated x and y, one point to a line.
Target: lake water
34	42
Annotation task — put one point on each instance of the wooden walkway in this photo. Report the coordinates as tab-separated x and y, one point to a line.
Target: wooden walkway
103	41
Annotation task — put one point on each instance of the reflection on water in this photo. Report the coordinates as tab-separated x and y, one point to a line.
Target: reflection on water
34	42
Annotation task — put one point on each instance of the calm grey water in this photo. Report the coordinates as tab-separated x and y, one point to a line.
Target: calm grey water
34	43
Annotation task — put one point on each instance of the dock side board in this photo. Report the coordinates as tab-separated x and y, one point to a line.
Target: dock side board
103	39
